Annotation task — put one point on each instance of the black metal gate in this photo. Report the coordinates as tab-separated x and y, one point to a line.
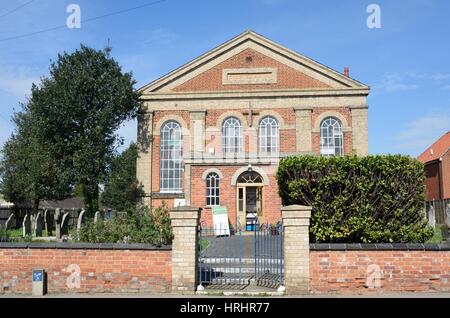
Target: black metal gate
269	255
236	259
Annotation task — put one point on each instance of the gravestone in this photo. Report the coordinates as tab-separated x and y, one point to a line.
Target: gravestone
26	225
10	222
48	222
65	223
38	225
447	212
432	217
58	219
81	220
98	216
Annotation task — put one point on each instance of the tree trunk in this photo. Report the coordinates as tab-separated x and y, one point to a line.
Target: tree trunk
90	194
36	206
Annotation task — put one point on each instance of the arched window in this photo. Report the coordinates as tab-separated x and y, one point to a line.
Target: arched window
268	135
250	177
212	189
232	135
331	137
170	157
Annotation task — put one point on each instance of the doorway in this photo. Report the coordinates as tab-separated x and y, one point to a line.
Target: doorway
249	200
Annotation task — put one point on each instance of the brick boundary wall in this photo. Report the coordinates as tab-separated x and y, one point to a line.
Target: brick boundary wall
354	268
111	268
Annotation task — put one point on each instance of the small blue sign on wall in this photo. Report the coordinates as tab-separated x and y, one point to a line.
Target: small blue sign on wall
38	275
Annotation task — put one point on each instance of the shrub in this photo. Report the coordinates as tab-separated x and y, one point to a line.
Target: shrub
140	226
358	199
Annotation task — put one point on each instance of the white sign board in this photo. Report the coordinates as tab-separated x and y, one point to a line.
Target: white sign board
220	220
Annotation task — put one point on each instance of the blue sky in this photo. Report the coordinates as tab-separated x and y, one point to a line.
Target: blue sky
406	62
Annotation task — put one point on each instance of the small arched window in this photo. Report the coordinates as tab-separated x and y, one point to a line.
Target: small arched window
212	189
331	137
170	157
232	135
268	135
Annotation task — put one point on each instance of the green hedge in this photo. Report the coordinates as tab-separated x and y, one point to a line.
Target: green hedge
369	199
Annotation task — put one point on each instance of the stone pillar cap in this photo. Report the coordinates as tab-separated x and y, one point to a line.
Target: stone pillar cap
295	207
185	208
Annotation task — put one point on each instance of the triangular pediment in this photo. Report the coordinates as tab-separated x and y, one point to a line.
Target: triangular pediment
250	62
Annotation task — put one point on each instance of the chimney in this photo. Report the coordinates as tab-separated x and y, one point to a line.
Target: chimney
346	71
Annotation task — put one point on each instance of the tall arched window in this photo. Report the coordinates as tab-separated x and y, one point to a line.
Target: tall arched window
331	137
268	135
212	189
170	157
232	135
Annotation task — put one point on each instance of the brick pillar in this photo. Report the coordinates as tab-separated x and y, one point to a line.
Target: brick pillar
296	248
185	221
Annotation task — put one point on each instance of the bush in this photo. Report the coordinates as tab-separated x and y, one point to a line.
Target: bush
140	226
369	199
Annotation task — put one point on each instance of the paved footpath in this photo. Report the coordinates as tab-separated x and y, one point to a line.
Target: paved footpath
110	295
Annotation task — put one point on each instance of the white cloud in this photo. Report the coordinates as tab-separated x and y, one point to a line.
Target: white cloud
17	81
408	81
395	83
423	131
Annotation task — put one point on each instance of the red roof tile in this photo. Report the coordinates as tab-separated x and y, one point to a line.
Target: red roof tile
436	150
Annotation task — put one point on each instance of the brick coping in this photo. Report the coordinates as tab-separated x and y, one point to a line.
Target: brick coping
379	247
85	246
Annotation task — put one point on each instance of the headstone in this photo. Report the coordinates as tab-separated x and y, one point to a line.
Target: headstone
432	217
81	220
447	212
38	225
33	222
65	223
98	217
48	222
58	219
10	222
26	225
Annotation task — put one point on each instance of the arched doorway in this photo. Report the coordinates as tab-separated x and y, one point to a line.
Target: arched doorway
249	201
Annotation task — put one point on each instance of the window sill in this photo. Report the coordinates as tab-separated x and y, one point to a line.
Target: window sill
168	195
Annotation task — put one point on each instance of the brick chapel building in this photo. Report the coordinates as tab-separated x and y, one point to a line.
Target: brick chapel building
214	130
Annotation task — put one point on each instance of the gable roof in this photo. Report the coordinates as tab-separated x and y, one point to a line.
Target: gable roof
240	43
437	149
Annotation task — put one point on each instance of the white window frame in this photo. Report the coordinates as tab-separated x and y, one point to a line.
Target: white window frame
231	135
331	137
269	135
212	183
170	167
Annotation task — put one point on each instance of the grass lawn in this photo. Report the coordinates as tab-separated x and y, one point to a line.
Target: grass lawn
18	233
437	236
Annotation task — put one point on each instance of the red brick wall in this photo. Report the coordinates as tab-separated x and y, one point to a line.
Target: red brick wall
271	199
346	272
119	271
211	80
432	182
446	175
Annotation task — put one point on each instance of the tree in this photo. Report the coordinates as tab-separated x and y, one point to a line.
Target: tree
27	170
122	189
79	108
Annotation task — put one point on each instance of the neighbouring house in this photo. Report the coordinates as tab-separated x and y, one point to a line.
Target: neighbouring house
213	131
437	169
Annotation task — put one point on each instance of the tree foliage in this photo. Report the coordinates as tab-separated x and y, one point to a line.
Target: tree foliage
27	168
78	109
358	199
122	188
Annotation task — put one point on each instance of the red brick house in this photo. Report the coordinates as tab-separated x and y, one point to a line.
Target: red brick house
214	129
437	169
